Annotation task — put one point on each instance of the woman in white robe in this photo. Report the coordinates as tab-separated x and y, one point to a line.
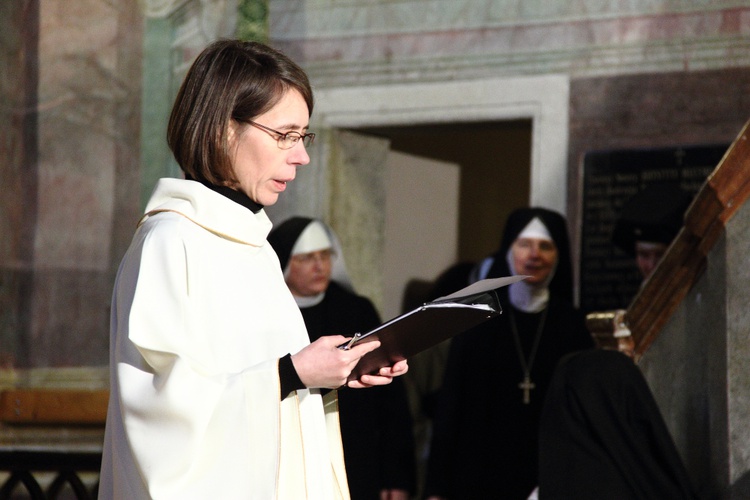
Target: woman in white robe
214	384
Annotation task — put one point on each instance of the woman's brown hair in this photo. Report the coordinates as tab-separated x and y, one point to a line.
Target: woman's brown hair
229	80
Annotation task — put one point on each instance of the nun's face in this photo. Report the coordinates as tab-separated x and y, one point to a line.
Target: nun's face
309	273
534	257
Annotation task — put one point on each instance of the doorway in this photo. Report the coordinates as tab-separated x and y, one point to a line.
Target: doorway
492	165
480	123
495	162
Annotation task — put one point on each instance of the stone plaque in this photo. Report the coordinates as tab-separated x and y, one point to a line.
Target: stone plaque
609	277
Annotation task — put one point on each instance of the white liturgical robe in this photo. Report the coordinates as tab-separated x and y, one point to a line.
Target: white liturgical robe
200	317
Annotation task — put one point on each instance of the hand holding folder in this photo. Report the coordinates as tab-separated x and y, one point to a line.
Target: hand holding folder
428	325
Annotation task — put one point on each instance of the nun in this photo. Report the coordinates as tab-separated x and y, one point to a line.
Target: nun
602	435
484	442
376	426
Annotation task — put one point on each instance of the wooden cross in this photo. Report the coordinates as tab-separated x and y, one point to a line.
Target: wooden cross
526	386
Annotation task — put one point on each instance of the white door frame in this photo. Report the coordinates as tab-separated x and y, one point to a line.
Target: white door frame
543	99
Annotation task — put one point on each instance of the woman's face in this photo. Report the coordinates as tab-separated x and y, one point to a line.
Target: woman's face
261	167
534	257
648	255
309	273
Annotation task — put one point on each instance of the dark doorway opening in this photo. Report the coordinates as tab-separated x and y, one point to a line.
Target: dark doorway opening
495	162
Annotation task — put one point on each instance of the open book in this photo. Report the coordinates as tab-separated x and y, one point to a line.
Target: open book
428	325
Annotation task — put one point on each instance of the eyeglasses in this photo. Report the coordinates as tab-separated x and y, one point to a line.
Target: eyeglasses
289	139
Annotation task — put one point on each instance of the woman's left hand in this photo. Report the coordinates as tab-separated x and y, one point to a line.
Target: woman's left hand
383	377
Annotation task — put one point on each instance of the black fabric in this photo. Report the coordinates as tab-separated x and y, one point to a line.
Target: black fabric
285	235
234	195
485	439
654	215
562	282
602	435
288	377
376	428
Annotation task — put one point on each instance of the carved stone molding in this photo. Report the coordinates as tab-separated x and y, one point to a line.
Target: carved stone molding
211	19
161	8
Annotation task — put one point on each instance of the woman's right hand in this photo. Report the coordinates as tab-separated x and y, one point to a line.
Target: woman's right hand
323	365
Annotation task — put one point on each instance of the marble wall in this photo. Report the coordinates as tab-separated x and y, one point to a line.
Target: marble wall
83	79
80	99
18	71
375	42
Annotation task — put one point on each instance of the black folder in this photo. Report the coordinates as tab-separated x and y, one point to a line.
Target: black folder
428	325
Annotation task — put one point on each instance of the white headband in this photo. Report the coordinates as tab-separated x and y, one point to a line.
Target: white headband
535	229
313	238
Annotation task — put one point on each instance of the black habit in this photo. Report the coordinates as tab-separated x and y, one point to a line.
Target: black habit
376	427
376	424
602	435
485	437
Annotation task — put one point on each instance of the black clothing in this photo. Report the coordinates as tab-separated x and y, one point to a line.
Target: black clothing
236	196
602	435
376	425
484	441
288	377
654	215
376	428
283	237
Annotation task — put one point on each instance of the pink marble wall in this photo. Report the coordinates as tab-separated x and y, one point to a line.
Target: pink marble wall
73	184
373	42
519	39
18	176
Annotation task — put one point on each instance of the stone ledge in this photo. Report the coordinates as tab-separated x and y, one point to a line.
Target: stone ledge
54	406
83	378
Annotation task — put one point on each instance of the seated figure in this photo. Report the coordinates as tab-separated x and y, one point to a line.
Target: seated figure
602	435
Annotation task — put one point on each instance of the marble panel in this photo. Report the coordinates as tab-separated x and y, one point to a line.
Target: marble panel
69	318
357	183
85	155
738	342
393	41
314	18
76	206
676	367
79	92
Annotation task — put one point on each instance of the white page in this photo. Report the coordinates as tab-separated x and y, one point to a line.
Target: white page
483	286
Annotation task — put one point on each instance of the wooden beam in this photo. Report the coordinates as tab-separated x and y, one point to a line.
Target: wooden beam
723	193
53	406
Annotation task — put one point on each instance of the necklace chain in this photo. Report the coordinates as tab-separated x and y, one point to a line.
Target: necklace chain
526	384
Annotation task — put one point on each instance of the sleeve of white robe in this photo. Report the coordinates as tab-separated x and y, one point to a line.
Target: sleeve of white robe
192	429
